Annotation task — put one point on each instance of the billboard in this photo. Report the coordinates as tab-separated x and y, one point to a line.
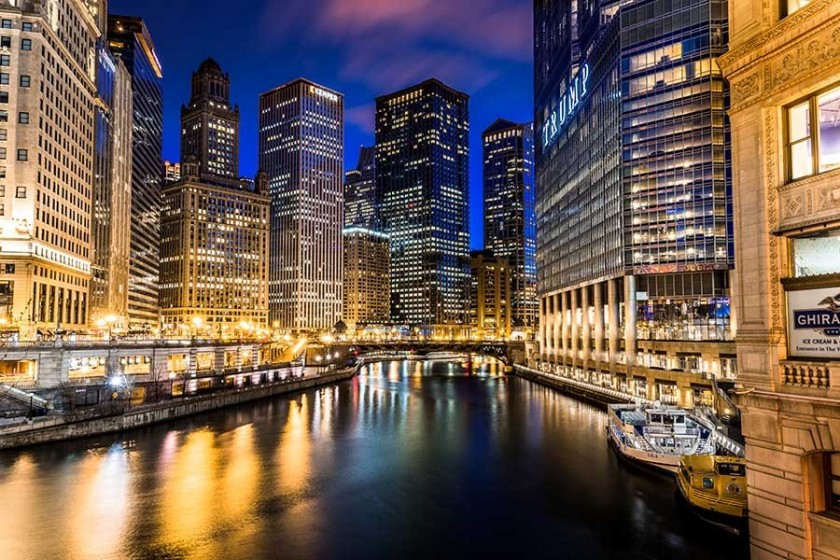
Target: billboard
814	323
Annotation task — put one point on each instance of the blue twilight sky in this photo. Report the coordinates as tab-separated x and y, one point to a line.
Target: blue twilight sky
362	48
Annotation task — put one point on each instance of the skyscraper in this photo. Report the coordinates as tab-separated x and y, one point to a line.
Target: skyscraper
214	228
360	203
130	41
210	125
111	191
214	256
490	296
509	216
301	143
634	220
422	173
47	96
367	252
367	256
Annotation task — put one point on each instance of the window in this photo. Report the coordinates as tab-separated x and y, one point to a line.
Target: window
26	44
6	42
25	81
23	154
20	192
23	117
9	268
813	135
4	134
794	5
2	209
816	255
4	96
831	475
2	190
5	60
4	116
4	78
3	152
6	24
26	26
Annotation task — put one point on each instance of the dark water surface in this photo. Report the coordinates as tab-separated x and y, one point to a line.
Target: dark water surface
401	462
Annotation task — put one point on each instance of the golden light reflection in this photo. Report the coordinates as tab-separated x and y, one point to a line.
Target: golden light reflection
23	485
188	495
293	456
101	498
241	476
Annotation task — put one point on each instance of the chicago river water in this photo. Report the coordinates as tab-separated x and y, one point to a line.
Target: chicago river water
407	460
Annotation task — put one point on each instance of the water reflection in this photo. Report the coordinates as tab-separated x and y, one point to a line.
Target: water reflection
410	459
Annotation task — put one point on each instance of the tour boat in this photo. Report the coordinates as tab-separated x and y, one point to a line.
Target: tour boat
715	486
657	435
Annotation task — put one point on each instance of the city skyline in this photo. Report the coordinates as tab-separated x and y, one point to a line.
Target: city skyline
497	74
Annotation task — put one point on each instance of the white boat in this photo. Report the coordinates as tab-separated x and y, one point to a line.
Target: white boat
657	435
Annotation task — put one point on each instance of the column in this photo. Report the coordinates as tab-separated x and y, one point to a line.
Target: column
574	324
612	311
542	326
599	321
564	328
558	325
630	320
585	325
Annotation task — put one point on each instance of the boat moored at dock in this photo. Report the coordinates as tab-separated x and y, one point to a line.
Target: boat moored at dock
714	484
656	435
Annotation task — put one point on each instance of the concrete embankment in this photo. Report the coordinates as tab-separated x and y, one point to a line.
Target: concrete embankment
60	428
599	396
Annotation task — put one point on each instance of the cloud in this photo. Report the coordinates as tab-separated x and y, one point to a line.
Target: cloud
362	116
389	44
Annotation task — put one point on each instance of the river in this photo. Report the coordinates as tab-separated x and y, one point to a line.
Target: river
407	460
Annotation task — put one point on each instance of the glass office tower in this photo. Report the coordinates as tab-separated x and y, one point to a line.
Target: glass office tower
422	175
509	215
634	230
301	143
130	41
361	208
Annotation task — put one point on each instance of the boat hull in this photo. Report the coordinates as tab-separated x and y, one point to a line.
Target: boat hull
659	461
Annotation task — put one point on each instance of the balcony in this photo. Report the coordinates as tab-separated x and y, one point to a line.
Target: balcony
812	375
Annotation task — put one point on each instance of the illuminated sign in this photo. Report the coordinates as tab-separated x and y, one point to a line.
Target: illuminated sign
814	323
323	93
568	105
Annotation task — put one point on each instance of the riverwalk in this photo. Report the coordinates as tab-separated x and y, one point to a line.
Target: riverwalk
118	419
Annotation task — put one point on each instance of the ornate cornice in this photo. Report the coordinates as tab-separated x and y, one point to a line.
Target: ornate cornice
728	60
787	66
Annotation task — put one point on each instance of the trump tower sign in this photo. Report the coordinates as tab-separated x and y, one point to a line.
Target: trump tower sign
814	323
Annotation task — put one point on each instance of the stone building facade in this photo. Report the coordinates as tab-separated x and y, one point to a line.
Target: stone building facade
784	70
47	97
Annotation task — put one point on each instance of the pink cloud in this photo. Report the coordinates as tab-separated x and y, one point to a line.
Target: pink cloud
392	43
362	116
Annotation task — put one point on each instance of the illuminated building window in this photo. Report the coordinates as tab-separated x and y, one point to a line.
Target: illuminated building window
816	255
792	6
813	135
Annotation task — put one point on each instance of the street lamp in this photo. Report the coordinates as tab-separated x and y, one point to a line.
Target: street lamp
197	323
106	323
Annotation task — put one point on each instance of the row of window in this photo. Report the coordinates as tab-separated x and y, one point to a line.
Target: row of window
24	26
25	80
25	44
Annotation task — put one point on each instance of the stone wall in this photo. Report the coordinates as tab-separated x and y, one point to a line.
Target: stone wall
52	430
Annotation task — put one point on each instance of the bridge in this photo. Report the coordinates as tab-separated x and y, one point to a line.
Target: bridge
506	352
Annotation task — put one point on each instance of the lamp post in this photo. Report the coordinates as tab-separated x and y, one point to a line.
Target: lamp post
328	339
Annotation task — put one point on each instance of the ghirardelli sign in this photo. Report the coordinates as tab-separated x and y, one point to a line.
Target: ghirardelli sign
814	323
